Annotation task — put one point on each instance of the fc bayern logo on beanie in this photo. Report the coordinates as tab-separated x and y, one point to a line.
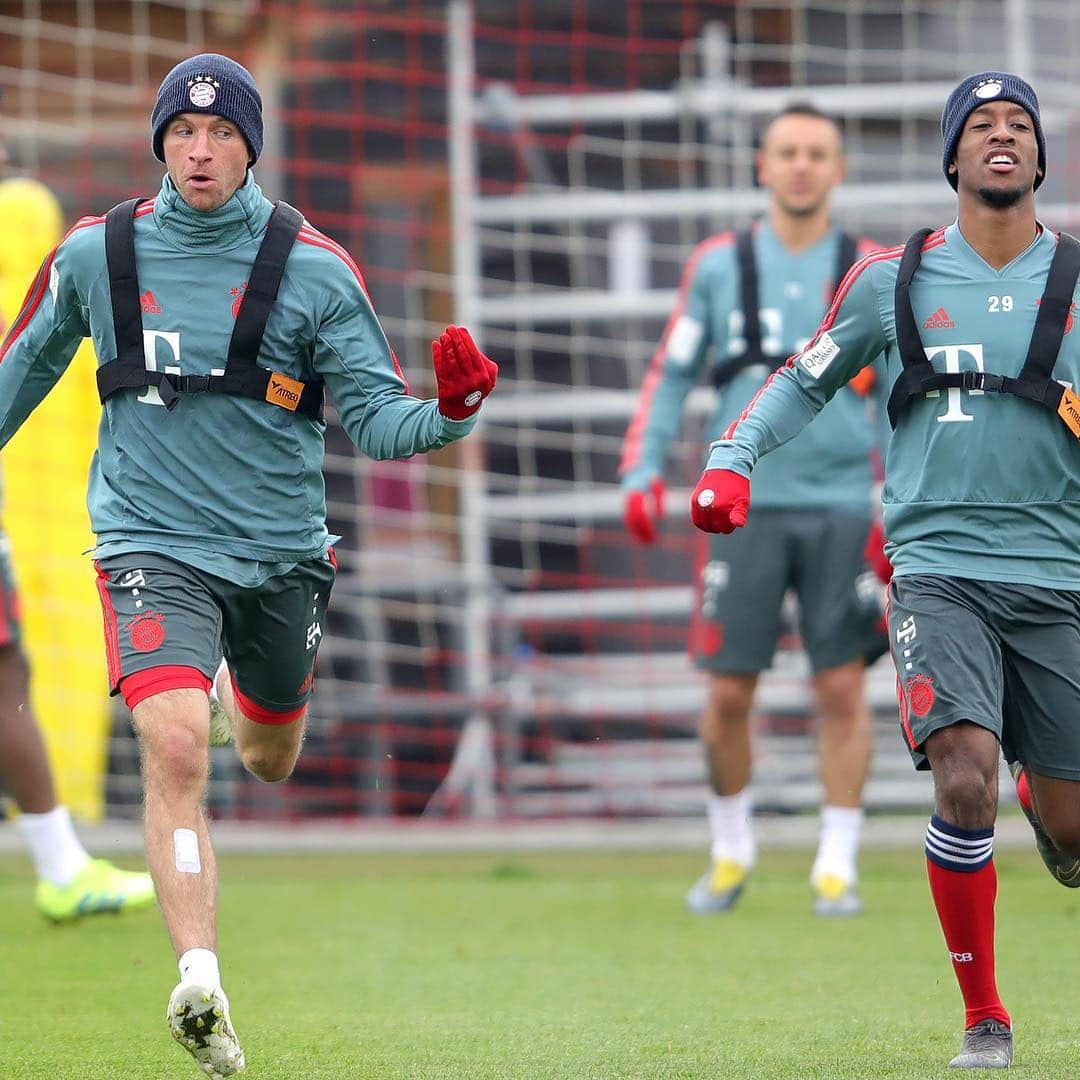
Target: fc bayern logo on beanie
203	91
214	84
989	88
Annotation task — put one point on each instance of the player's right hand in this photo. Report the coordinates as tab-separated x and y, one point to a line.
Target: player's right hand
643	511
874	554
464	375
720	501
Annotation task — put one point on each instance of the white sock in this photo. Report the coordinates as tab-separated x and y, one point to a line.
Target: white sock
201	966
731	827
55	849
838	847
223	666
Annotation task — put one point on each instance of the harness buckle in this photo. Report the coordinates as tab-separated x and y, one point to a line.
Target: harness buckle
196	384
989	382
981	381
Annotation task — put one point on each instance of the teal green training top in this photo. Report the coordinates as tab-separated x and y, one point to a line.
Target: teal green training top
830	464
226	484
978	485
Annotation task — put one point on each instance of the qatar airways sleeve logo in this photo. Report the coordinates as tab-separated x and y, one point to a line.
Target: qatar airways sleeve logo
815	360
955	358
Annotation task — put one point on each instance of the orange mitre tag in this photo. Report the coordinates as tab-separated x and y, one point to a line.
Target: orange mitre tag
863	381
283	391
1069	411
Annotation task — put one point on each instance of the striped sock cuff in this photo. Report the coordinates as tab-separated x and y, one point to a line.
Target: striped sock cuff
953	848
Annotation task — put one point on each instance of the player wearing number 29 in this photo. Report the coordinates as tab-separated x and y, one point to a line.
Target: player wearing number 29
219	320
981	510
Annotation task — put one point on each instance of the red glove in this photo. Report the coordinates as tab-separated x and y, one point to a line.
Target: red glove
465	376
874	554
720	501
641	518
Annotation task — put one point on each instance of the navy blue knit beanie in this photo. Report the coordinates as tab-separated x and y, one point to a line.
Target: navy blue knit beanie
214	84
977	90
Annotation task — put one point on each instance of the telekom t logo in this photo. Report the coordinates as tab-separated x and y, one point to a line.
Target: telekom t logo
953	353
170	340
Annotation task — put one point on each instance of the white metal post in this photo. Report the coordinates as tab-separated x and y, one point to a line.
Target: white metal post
1017	13
472	773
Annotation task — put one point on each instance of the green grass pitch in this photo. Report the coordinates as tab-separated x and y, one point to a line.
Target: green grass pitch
455	967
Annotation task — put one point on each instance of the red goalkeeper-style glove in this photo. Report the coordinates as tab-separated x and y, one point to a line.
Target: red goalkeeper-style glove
464	375
874	554
720	501
643	511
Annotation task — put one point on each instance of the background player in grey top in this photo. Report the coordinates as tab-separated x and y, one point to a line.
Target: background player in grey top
815	502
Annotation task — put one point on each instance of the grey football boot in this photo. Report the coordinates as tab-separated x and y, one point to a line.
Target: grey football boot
987	1045
718	889
835	898
1063	868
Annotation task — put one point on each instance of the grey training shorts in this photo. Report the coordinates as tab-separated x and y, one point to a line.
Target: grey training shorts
741	588
1003	656
160	613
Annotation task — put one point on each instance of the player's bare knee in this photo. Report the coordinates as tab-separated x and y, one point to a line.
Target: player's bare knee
1064	832
965	794
269	765
846	719
176	752
727	708
840	692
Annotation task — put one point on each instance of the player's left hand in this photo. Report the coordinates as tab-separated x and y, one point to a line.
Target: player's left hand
874	554
464	375
720	501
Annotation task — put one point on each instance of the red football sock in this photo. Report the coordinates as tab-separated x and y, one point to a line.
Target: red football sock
965	907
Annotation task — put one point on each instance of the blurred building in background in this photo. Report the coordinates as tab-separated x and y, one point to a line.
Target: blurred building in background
537	170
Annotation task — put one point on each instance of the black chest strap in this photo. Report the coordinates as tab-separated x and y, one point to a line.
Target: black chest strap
1035	382
750	302
242	375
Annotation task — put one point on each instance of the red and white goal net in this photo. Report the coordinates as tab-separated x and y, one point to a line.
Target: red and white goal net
539	171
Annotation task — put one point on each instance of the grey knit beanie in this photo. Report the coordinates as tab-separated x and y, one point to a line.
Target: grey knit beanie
977	90
214	84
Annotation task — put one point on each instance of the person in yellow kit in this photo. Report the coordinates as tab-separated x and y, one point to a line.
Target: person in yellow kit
70	882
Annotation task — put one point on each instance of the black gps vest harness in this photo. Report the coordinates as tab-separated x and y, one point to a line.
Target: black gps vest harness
749	300
1034	383
242	375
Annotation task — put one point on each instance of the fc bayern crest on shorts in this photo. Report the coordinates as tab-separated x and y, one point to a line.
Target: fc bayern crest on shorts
920	692
147	631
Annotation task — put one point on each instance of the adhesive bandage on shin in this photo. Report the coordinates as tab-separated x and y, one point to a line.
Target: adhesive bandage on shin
186	849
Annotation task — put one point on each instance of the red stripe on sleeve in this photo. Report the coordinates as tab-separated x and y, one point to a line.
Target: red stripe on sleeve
34	294
309	235
631	454
30	304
